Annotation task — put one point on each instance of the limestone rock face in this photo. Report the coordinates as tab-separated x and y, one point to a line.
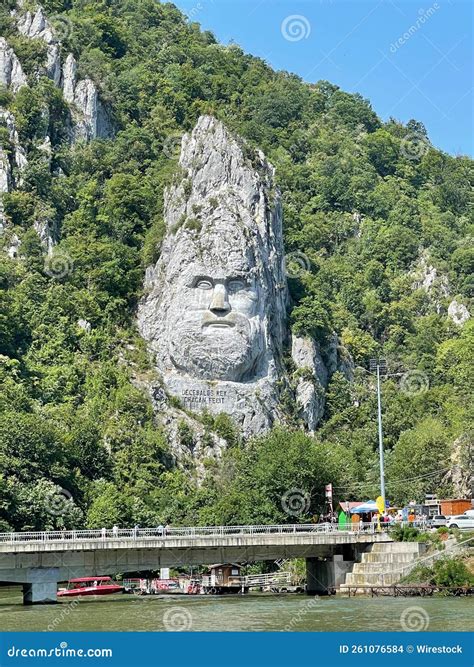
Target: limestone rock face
90	117
426	277
46	234
215	312
460	474
17	159
458	313
339	358
13	247
19	155
11	72
69	78
93	121
312	379
36	26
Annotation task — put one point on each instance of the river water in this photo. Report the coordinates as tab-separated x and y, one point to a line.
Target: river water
254	612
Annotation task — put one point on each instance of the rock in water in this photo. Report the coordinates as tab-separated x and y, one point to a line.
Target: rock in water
215	312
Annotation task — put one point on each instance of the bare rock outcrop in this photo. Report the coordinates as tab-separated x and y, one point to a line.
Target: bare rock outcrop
458	313
12	160
35	25
90	117
462	459
311	379
427	277
11	71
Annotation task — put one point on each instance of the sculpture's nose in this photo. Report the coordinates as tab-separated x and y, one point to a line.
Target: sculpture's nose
220	302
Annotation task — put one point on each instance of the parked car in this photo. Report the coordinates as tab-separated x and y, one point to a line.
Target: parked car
461	521
437	520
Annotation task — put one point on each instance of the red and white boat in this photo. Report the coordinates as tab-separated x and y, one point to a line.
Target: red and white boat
90	586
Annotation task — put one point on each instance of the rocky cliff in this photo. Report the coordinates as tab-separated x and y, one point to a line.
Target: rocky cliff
89	118
215	312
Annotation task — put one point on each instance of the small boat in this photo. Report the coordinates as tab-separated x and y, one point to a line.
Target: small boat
90	586
166	586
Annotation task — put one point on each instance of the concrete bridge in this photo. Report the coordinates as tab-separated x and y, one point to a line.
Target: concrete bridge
39	560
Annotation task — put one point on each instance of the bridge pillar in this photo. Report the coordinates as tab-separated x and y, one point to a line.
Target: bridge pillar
40	593
324	576
41	586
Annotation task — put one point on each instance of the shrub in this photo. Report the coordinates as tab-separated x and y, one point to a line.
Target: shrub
451	572
405	534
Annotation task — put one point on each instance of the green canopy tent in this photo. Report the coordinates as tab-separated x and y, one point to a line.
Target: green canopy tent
343	521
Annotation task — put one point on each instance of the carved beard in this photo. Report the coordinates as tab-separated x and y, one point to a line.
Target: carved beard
214	353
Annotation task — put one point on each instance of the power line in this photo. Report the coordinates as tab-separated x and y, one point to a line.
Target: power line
396	481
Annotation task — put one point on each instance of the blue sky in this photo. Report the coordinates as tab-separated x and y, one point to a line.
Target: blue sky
410	58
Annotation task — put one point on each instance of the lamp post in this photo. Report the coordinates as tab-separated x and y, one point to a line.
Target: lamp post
380	367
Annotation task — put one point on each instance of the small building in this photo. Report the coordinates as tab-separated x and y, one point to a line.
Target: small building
455	506
222	578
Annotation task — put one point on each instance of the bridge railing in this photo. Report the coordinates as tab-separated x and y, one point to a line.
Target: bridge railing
182	532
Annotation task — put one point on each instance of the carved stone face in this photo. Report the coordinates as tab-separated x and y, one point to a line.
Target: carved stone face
216	330
214	314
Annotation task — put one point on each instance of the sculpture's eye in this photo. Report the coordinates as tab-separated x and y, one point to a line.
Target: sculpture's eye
235	285
204	284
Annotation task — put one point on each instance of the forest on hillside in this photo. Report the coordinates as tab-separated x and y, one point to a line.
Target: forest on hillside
377	222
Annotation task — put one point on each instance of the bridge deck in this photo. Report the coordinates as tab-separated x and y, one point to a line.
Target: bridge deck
187	537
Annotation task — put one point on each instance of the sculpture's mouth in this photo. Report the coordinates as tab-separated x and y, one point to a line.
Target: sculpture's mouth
218	324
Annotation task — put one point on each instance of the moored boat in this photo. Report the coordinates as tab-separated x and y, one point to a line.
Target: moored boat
90	586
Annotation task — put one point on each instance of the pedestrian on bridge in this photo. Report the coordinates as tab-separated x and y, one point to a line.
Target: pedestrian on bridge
115	530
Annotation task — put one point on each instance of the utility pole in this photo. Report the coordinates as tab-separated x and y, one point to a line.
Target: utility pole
380	366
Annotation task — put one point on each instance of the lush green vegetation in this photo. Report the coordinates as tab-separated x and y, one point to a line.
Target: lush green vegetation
451	572
360	201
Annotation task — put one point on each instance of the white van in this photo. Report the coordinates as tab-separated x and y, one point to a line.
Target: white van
461	521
